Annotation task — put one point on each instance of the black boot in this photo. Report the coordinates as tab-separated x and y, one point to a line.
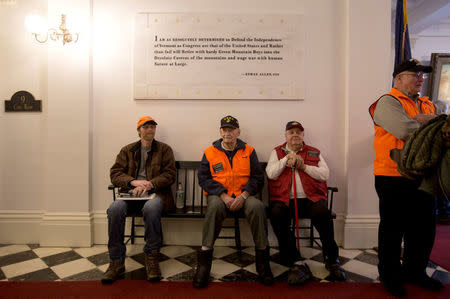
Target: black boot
204	260
424	281
336	272
262	259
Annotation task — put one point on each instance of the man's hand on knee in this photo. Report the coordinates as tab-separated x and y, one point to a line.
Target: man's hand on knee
237	203
139	191
228	200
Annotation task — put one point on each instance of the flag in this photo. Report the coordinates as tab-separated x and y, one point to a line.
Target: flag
402	45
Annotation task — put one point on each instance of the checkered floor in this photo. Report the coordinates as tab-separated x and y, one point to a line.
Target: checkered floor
31	262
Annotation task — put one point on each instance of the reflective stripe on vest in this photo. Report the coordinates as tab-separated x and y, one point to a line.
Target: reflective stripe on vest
385	141
232	178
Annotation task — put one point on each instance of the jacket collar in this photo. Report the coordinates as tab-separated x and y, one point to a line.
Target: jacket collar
399	94
239	145
285	146
137	146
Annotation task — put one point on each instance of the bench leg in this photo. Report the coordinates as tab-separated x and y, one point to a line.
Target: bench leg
133	233
237	233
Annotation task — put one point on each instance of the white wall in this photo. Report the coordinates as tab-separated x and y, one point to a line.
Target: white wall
89	111
189	126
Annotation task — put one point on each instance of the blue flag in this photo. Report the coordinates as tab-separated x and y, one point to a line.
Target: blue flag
402	46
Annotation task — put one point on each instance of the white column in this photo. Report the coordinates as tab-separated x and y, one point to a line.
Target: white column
368	77
67	218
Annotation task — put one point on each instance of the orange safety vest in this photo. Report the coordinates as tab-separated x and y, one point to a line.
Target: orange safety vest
232	178
385	141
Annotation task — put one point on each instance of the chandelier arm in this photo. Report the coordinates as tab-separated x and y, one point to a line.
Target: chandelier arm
37	36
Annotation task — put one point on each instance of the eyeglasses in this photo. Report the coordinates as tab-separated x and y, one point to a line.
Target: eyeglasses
148	126
418	75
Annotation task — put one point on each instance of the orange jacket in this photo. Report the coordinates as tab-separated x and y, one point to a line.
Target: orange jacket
385	141
232	178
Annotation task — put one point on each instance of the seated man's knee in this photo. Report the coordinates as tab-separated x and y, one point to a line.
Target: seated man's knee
216	205
320	211
153	207
117	209
278	210
256	206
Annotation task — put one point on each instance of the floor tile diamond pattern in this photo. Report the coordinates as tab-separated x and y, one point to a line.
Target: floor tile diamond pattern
34	263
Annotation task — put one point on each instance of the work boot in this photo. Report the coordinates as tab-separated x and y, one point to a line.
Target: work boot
394	286
336	272
204	260
263	267
152	266
424	281
113	272
299	274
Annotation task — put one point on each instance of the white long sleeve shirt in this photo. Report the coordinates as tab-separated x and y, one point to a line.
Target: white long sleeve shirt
275	167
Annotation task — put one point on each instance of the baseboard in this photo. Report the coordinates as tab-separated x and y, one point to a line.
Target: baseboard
100	224
20	226
84	229
361	231
66	229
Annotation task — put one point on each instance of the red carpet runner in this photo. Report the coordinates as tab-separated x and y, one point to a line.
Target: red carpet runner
230	290
441	250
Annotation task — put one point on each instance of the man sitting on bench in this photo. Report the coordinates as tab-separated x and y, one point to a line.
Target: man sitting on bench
145	166
231	176
311	172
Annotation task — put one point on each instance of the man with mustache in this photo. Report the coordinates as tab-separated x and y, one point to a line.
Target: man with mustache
310	172
145	166
231	176
406	213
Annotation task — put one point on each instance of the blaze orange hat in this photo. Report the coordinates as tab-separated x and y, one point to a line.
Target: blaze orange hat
146	119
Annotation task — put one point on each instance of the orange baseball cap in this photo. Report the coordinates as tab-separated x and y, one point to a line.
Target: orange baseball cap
145	119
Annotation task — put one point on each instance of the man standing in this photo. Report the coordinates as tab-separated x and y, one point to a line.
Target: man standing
231	176
311	172
406	213
145	166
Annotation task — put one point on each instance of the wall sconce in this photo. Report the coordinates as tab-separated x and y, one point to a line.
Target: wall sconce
37	25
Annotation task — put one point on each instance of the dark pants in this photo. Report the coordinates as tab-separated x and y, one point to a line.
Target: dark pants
216	212
280	218
407	214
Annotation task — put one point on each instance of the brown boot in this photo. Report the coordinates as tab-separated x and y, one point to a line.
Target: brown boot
152	266
113	272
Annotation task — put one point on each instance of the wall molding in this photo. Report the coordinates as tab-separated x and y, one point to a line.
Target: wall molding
85	229
72	229
361	230
20	226
46	228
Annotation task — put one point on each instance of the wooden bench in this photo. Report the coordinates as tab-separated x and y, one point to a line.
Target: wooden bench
195	204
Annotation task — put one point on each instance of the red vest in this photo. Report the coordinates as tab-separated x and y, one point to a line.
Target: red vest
280	189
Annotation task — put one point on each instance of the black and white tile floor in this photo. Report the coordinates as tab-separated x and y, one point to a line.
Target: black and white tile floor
31	262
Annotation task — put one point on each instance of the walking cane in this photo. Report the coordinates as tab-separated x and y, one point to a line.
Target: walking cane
295	207
295	200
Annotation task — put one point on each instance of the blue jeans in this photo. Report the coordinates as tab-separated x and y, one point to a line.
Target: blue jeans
151	212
